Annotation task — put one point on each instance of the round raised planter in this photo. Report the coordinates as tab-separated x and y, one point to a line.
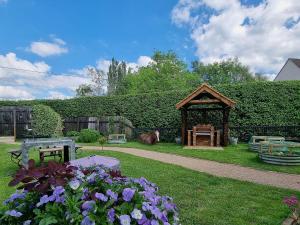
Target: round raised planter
288	160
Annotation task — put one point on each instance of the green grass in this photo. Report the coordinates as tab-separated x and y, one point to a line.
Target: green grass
202	199
232	154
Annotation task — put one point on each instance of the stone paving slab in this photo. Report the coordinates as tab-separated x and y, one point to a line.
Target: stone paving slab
276	179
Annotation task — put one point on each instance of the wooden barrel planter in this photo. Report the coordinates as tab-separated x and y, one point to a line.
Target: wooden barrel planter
284	160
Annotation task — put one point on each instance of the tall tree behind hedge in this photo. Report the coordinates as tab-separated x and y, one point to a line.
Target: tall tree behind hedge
166	72
224	72
116	72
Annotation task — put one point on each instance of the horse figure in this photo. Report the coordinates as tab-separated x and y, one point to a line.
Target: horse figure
150	138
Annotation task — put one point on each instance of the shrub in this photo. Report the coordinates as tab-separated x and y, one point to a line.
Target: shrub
94	196
46	122
102	140
88	135
72	133
294	205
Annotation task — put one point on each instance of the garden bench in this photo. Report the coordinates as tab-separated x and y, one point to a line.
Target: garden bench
15	155
116	139
50	152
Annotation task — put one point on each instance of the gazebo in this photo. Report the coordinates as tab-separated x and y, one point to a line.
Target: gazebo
207	99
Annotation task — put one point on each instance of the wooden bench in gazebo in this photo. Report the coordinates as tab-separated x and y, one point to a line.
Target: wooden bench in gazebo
204	99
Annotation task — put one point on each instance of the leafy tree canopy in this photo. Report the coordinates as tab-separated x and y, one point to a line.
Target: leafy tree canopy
166	72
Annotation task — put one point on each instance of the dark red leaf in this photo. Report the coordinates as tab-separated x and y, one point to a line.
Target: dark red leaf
31	164
27	179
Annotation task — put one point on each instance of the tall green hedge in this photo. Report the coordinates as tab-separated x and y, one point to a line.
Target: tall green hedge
258	103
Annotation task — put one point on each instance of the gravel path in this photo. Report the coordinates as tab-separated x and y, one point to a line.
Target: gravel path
276	179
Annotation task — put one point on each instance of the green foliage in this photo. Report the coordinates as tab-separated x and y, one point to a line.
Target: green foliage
84	90
166	72
102	140
46	122
258	103
88	135
224	72
72	133
116	72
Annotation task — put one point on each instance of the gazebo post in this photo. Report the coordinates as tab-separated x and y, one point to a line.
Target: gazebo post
225	126
183	125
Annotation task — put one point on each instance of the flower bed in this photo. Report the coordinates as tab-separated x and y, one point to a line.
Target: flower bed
64	195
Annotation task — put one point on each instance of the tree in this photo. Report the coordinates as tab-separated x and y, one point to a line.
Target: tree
166	72
227	71
98	81
97	86
84	90
116	72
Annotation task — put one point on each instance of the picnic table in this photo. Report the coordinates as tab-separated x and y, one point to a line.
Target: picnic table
68	146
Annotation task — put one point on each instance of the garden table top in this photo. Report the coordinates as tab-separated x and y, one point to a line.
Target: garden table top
96	160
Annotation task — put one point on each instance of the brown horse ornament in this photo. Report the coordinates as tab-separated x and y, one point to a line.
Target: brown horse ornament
150	138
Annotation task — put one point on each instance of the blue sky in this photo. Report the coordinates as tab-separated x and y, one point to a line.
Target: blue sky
94	30
61	38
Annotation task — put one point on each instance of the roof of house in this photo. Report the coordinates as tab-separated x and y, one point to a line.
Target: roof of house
296	61
202	89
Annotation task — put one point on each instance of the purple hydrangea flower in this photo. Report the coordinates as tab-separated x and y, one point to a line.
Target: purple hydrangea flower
146	206
143	220
128	194
43	200
13	213
101	197
112	194
15	196
74	184
85	193
58	190
154	222
88	205
91	178
156	212
136	214
291	201
87	221
125	220
111	215
27	222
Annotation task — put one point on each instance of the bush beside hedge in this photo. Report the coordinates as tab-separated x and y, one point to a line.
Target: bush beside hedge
46	122
88	136
258	103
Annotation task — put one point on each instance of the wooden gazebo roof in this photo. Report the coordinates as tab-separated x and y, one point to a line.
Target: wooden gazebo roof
211	95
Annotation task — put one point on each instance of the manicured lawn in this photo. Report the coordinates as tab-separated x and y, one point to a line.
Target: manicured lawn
201	198
232	154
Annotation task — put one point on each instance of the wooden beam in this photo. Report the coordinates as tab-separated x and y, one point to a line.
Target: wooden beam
183	126
207	109
225	126
206	101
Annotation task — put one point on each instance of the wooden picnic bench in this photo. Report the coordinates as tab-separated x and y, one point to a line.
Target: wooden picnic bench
50	152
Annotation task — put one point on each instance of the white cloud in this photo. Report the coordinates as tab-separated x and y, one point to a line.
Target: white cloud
12	92
44	49
262	36
23	82
23	67
57	95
